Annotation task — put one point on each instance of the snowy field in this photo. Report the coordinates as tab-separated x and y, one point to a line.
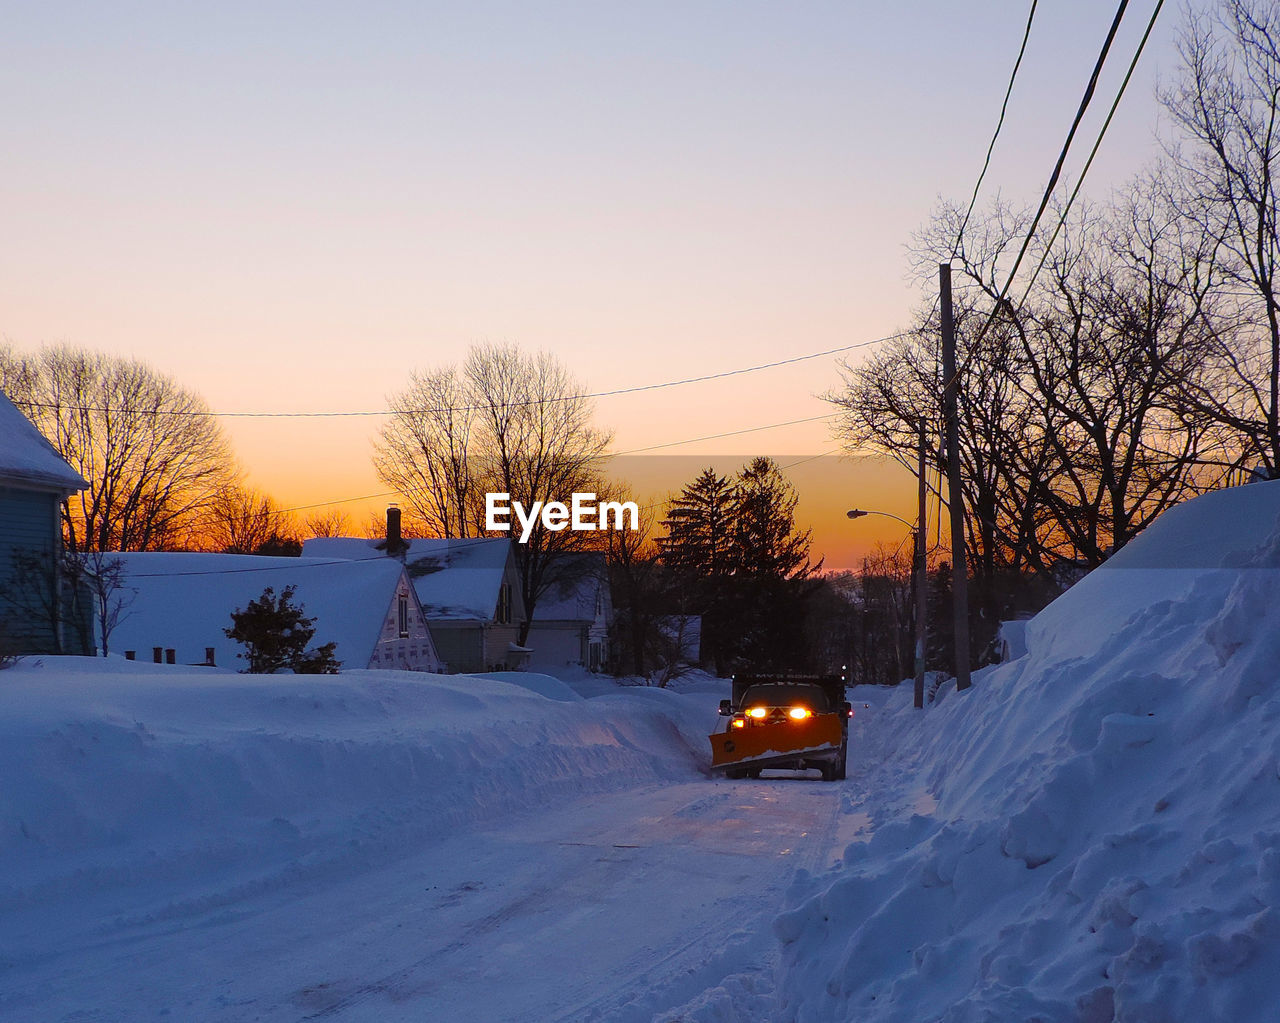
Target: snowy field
1091	834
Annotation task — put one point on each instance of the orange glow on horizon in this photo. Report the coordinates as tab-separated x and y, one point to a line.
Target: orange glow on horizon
828	486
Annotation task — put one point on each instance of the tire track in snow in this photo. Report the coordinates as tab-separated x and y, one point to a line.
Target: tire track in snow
720	951
590	911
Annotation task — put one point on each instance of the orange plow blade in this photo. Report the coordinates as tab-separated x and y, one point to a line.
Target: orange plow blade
774	739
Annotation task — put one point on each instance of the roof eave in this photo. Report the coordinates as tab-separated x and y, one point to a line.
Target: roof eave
66	486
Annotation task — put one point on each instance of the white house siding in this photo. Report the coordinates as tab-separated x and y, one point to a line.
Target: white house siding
499	652
571	621
557	644
414	652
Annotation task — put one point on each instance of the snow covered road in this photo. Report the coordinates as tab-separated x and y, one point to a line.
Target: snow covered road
614	908
614	896
611	907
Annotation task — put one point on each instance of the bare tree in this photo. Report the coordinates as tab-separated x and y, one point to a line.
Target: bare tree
104	578
1115	339
506	422
885	609
673	647
1227	105
328	523
423	452
539	445
151	451
1077	428
241	520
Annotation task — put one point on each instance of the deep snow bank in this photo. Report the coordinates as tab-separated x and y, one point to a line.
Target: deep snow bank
1106	839
113	774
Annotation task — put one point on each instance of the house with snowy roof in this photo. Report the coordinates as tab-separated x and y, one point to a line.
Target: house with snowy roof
469	590
572	619
182	603
35	602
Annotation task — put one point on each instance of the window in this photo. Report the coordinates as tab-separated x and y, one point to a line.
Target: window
404	615
502	616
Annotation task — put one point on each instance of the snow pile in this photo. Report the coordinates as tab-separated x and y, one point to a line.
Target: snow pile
544	685
169	791
1098	835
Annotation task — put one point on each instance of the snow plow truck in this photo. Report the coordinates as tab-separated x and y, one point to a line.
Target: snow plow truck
792	722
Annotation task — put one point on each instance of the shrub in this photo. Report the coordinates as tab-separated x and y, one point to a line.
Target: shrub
275	633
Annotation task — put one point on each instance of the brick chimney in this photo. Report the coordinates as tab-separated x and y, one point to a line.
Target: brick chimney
394	544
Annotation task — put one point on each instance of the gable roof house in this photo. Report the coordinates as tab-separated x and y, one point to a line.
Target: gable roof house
469	590
572	619
36	608
184	602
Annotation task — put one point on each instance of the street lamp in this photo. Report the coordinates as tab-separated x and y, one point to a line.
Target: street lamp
857	513
921	580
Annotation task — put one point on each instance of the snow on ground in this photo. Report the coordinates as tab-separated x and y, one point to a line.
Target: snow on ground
1093	832
139	800
202	845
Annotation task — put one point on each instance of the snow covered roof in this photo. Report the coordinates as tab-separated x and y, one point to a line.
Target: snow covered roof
184	601
454	579
346	548
26	457
574	597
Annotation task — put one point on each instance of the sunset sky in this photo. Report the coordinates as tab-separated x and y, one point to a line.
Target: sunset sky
287	207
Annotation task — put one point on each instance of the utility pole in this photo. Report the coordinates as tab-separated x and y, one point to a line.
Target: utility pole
955	499
922	577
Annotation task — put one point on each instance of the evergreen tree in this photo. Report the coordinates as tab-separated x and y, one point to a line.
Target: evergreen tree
737	559
771	589
699	553
275	633
700	527
766	543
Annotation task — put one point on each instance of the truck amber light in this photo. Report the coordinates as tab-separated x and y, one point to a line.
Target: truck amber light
738	723
758	712
799	713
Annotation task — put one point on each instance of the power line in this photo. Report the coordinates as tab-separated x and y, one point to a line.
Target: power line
1066	145
633	451
341	500
731	433
1048	191
808	458
480	408
1062	219
999	124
